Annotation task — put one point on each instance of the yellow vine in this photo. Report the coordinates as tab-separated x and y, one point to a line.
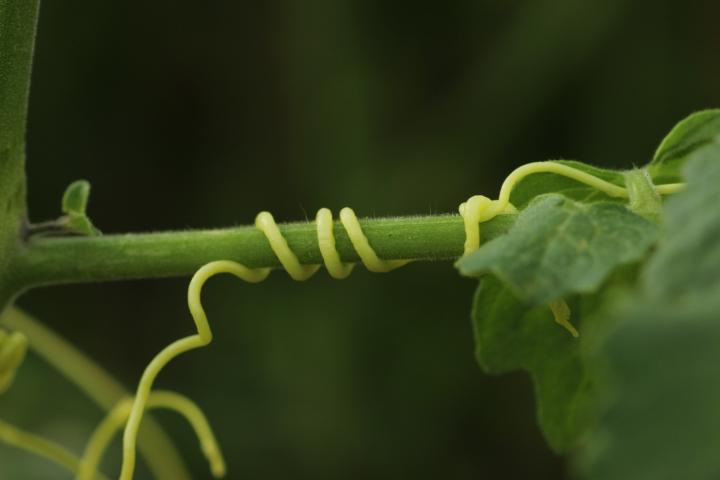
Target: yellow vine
115	420
474	211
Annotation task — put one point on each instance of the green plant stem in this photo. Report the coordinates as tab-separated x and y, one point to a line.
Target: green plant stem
47	261
643	194
157	449
18	20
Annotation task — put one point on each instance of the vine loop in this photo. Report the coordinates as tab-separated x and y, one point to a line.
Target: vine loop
326	244
266	223
362	246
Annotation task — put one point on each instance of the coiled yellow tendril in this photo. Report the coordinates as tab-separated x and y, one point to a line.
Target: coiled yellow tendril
266	223
476	210
129	412
326	244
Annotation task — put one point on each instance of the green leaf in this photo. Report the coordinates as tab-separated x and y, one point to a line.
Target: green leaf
541	183
510	335
558	247
687	136
687	266
662	422
661	386
75	198
74	203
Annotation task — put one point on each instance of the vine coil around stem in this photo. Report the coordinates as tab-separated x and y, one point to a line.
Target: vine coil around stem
474	211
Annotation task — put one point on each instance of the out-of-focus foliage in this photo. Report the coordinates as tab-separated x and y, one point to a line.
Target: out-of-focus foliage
661	362
187	115
688	136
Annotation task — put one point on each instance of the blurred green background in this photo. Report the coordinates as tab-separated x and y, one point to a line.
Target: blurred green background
188	115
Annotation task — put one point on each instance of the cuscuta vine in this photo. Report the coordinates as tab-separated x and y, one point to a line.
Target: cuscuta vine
129	411
119	415
266	223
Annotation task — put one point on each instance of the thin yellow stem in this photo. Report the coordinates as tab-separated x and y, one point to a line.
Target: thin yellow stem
670	188
479	209
326	244
560	169
266	224
114	421
202	338
362	246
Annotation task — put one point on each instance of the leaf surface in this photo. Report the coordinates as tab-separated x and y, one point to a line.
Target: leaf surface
510	335
559	247
690	134
662	362
74	206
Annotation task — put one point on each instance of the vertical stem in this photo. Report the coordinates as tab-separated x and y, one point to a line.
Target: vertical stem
18	19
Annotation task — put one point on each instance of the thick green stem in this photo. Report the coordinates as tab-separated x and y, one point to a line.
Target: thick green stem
46	261
18	19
